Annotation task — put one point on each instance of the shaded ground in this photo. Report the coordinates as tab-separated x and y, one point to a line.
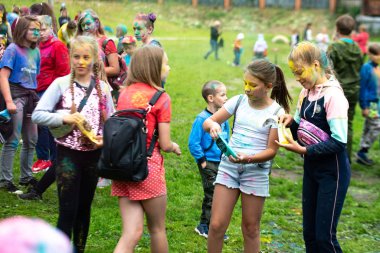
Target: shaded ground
359	193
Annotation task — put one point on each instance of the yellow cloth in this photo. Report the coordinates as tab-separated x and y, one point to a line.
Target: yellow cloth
64	34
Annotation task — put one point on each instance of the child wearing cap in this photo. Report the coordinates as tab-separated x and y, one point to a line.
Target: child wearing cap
129	46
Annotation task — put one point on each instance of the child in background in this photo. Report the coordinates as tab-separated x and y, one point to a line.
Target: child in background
5	28
45	8
143	27
369	103
362	39
294	38
204	149
260	49
20	66
77	155
254	142
215	32
307	33
347	61
121	31
55	63
149	67
129	47
63	18
12	16
89	24
322	39
320	125
238	49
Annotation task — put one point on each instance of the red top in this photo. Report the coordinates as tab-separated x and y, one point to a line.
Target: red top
109	49
361	39
55	62
137	96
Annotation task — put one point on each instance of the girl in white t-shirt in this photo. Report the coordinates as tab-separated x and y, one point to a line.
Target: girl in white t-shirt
253	140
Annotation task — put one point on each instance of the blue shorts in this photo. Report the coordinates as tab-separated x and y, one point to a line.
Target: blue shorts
250	178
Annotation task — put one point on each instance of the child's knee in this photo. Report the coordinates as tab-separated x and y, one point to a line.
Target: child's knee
133	236
251	229
218	226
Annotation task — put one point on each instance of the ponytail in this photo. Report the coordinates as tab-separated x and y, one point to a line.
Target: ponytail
268	72
279	91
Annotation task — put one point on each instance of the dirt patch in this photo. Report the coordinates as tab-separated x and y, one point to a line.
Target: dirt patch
358	194
287	174
365	178
362	195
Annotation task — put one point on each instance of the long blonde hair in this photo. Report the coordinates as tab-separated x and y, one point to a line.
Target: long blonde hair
92	44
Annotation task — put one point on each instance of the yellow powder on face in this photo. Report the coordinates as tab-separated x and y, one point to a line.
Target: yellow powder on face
292	66
248	87
307	73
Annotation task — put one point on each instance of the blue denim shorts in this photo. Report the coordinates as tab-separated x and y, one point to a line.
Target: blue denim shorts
248	178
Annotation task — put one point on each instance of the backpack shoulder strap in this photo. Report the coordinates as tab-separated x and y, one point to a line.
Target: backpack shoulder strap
152	102
104	44
236	107
155	97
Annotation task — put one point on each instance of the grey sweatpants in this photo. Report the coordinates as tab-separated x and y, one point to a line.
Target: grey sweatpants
371	132
22	127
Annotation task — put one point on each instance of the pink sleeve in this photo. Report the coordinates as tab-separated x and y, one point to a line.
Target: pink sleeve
336	104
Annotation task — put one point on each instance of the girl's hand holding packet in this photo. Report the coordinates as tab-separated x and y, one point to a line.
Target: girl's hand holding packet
87	131
284	134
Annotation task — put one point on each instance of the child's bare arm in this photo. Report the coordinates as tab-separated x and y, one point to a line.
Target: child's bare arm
212	124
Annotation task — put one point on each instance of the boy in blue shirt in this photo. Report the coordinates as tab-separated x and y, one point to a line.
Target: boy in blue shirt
129	47
369	103
203	148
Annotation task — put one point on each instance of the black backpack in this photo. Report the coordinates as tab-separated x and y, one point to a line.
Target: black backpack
124	154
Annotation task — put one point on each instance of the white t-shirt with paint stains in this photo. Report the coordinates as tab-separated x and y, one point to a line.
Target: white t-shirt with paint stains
251	131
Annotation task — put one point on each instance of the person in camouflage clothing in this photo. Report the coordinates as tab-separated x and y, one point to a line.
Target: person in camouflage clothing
346	58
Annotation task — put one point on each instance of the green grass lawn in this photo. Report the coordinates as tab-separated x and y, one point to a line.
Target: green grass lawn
184	33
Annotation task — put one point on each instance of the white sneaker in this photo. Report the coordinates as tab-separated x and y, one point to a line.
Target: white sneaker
103	182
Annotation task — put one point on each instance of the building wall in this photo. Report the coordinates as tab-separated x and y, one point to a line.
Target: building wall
349	3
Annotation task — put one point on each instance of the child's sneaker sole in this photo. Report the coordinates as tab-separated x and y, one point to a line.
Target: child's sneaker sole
199	233
362	161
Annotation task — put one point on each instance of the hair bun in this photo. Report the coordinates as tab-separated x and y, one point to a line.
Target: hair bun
152	17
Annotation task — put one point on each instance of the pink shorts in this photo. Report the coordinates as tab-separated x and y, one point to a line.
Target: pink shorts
153	186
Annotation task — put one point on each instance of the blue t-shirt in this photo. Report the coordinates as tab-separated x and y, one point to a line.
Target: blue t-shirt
127	59
24	64
11	17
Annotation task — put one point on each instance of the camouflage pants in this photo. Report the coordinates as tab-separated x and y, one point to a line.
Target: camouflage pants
371	132
352	101
208	175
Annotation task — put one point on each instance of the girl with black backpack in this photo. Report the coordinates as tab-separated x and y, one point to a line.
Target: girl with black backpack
149	67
